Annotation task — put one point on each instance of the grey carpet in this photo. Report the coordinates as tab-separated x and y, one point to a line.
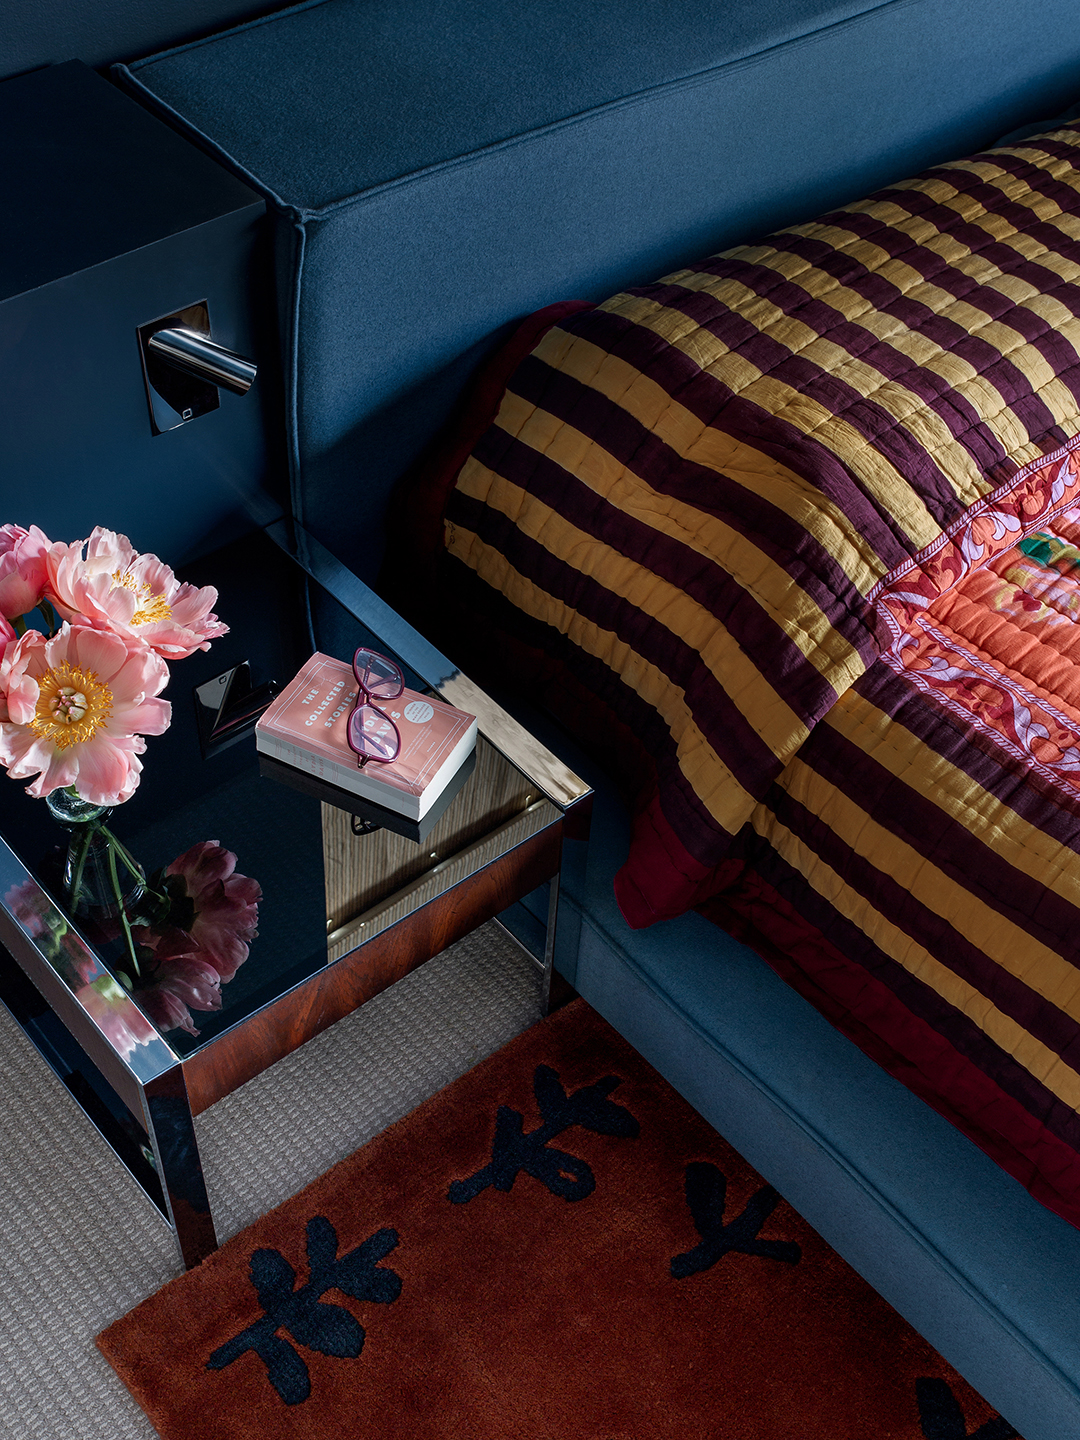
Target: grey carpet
80	1245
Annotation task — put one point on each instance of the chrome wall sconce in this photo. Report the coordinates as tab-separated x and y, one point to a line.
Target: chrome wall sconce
183	367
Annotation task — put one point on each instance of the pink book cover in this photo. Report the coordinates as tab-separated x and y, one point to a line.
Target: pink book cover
311	715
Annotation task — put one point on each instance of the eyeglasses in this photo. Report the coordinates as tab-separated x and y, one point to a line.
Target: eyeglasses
371	732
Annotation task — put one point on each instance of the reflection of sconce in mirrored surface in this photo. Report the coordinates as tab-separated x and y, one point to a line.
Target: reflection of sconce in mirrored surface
183	367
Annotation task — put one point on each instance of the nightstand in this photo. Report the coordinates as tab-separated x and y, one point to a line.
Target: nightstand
347	909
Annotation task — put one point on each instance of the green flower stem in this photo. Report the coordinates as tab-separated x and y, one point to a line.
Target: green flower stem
85	841
19	622
120	849
122	912
48	614
153	905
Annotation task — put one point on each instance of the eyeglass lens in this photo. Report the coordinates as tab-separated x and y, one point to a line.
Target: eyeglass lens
373	733
379	676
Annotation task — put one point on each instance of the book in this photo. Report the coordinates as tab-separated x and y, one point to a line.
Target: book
305	727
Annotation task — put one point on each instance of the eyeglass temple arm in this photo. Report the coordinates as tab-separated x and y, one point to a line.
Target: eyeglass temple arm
546	771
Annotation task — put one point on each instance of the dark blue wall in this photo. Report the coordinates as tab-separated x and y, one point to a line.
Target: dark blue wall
123	222
43	32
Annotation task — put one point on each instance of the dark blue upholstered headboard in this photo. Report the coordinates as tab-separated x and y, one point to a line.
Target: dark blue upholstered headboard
439	170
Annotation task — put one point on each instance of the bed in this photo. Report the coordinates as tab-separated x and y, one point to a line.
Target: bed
438	173
797	525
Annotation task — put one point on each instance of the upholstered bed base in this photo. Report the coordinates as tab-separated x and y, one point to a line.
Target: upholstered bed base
987	1274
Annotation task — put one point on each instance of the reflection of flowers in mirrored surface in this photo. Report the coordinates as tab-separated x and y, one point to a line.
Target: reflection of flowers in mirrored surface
40	918
190	930
200	935
110	1008
177	987
226	909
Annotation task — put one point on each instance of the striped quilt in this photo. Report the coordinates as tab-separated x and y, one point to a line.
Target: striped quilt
788	536
915	869
708	484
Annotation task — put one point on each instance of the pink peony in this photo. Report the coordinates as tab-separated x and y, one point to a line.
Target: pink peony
226	905
113	587
74	709
113	1013
176	984
23	572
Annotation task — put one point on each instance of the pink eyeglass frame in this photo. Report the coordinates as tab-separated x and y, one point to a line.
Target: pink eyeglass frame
364	700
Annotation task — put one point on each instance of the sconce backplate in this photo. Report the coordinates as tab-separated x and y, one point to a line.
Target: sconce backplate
175	398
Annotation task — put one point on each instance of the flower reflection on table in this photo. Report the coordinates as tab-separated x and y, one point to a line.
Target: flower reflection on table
110	1008
36	912
191	930
200	939
86	630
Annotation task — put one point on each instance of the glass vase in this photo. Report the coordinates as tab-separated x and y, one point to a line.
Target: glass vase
98	875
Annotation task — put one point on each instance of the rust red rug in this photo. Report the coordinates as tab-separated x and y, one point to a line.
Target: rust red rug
555	1247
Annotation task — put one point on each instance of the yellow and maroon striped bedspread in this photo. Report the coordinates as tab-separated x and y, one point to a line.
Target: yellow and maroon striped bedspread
764	515
701	483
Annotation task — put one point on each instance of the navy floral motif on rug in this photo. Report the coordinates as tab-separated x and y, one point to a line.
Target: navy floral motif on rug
312	1322
513	1150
